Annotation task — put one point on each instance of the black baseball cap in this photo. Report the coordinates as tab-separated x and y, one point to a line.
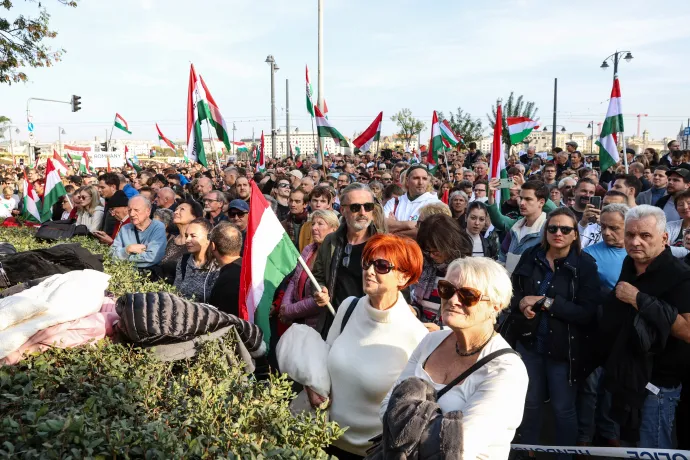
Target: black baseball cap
682	172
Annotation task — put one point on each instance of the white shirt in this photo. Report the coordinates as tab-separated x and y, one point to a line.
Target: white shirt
409	210
477	247
6	206
491	399
364	362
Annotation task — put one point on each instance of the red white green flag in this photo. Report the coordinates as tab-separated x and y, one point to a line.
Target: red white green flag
325	129
435	144
310	95
449	137
269	257
370	135
613	124
498	161
54	189
260	160
31	202
167	141
121	123
519	128
59	163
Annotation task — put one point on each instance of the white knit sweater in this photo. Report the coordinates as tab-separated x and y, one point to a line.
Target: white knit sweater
364	362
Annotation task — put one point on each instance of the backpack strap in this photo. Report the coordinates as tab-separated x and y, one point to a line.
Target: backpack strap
348	313
184	261
136	233
476	366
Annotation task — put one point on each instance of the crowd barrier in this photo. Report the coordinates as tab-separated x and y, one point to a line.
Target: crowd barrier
617	452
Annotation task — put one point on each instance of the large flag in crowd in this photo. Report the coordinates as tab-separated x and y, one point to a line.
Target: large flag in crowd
608	139
31	203
449	137
310	96
53	189
240	147
519	128
269	257
201	106
498	160
325	129
260	159
59	163
121	123
370	135
435	144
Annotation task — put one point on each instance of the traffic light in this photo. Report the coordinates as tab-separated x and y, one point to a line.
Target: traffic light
37	152
104	147
76	103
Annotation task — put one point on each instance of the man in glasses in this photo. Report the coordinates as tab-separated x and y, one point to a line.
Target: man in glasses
213	206
283	189
386	179
480	191
402	213
338	264
238	215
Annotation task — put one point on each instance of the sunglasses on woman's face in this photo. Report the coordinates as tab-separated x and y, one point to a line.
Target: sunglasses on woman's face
381	266
468	296
355	207
553	229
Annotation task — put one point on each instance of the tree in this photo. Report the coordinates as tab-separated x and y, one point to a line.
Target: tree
464	125
512	108
409	125
23	42
4	119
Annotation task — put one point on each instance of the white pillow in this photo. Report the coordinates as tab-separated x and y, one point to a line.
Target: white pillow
303	355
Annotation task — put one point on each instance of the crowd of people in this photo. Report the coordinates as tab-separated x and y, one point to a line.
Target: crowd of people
561	292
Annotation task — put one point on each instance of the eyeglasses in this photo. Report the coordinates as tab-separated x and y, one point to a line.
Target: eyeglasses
283	185
356	207
237	214
468	296
386	179
83	197
348	252
553	229
479	190
207	200
381	266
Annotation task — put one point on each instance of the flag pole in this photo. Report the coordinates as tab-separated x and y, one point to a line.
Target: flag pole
107	144
314	282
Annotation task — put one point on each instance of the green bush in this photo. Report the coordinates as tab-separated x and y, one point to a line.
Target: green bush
115	401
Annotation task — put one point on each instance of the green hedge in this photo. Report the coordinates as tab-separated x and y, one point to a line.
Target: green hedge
115	401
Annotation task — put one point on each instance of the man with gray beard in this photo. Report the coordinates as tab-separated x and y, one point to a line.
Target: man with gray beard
338	264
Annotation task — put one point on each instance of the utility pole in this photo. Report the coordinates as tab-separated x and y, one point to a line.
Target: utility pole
234	147
271	62
287	117
639	118
320	71
555	102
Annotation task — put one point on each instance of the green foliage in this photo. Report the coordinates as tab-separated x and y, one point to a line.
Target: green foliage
462	123
22	42
409	125
115	401
512	108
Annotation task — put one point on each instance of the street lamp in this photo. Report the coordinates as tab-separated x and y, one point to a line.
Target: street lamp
274	68
562	128
616	58
61	131
591	142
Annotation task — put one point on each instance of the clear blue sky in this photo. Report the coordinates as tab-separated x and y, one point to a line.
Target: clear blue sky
132	57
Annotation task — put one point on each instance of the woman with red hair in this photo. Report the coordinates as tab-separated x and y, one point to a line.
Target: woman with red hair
371	339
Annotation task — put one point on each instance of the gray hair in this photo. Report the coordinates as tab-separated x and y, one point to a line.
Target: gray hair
619	208
565	180
220	196
459	193
230	169
488	276
164	215
352	188
328	216
146	201
645	210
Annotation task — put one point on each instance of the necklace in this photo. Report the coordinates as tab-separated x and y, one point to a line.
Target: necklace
473	352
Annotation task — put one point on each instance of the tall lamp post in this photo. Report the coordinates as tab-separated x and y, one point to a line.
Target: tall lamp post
274	68
591	139
616	58
61	131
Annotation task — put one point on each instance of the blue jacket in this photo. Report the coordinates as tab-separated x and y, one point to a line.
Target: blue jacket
154	238
519	246
130	191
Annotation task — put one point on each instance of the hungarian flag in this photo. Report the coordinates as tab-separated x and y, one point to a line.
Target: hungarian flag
84	164
370	135
324	129
449	138
31	202
269	257
133	162
59	164
54	189
260	159
167	141
122	123
498	161
310	95
201	106
325	109
436	144
240	147
608	139
520	127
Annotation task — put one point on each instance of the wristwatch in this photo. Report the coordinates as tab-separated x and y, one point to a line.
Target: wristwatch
548	301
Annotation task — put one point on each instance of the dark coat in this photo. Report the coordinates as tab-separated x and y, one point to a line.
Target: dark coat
576	291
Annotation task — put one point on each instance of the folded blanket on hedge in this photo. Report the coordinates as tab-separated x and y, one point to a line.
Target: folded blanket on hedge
90	328
158	318
61	298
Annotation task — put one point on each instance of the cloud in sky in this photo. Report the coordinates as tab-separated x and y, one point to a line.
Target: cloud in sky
133	57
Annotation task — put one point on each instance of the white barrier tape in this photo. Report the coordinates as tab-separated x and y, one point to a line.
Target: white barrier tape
617	452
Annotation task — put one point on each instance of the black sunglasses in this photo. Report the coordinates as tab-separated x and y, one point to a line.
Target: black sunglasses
564	229
236	214
468	296
381	266
356	207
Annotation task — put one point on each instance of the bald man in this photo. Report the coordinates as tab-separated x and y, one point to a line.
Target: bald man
165	198
142	241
